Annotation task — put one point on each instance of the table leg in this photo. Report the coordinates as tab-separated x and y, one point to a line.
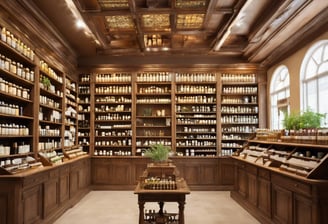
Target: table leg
161	205
181	212
141	212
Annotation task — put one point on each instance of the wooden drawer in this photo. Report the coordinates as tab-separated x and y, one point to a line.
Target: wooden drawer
293	185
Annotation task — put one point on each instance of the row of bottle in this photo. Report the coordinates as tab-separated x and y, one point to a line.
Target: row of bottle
70	102
196	121
16	43
241	90
196	89
16	68
54	116
153	142
153	133
113	143
239	100
199	152
114	133
239	119
113	99
198	143
231	145
154	100
128	126
238	78
113	117
11	109
204	136
118	108
195	77
14	89
84	78
198	130
239	129
115	77
113	89
196	99
154	77
14	129
197	109
226	152
50	102
83	133
239	109
15	148
112	153
232	137
70	85
84	90
154	89
49	145
47	131
44	67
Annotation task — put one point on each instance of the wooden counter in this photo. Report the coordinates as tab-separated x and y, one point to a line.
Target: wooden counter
41	195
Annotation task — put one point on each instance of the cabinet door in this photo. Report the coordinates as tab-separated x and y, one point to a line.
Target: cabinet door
264	196
226	172
64	184
303	211
281	204
32	204
252	188
241	182
51	196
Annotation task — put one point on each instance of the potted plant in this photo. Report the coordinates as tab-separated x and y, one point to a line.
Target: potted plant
158	153
45	81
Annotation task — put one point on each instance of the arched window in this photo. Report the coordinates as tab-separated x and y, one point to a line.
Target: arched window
279	93
314	78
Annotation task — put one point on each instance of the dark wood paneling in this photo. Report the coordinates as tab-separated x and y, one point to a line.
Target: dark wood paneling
32	204
64	184
281	205
264	196
51	195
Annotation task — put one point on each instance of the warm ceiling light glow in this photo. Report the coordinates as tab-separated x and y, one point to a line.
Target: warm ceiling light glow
80	24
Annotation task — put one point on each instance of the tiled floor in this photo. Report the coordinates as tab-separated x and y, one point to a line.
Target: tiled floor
120	207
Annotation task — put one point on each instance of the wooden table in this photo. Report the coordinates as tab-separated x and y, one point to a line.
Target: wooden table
161	196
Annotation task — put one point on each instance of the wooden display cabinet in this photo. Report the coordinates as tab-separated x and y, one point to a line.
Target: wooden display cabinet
196	114
282	182
239	110
17	93
153	110
113	114
84	110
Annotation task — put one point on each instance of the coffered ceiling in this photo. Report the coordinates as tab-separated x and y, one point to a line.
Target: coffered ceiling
257	31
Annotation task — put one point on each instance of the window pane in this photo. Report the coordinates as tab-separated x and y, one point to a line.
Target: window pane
311	96
323	68
323	89
311	69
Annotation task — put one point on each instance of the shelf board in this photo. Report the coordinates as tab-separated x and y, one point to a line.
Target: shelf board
12	97
15	136
49	94
110	102
239	83
16	117
49	122
12	51
290	144
17	155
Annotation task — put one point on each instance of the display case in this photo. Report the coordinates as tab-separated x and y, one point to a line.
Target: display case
239	110
50	118
17	89
84	110
71	117
113	114
196	114
306	160
153	110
